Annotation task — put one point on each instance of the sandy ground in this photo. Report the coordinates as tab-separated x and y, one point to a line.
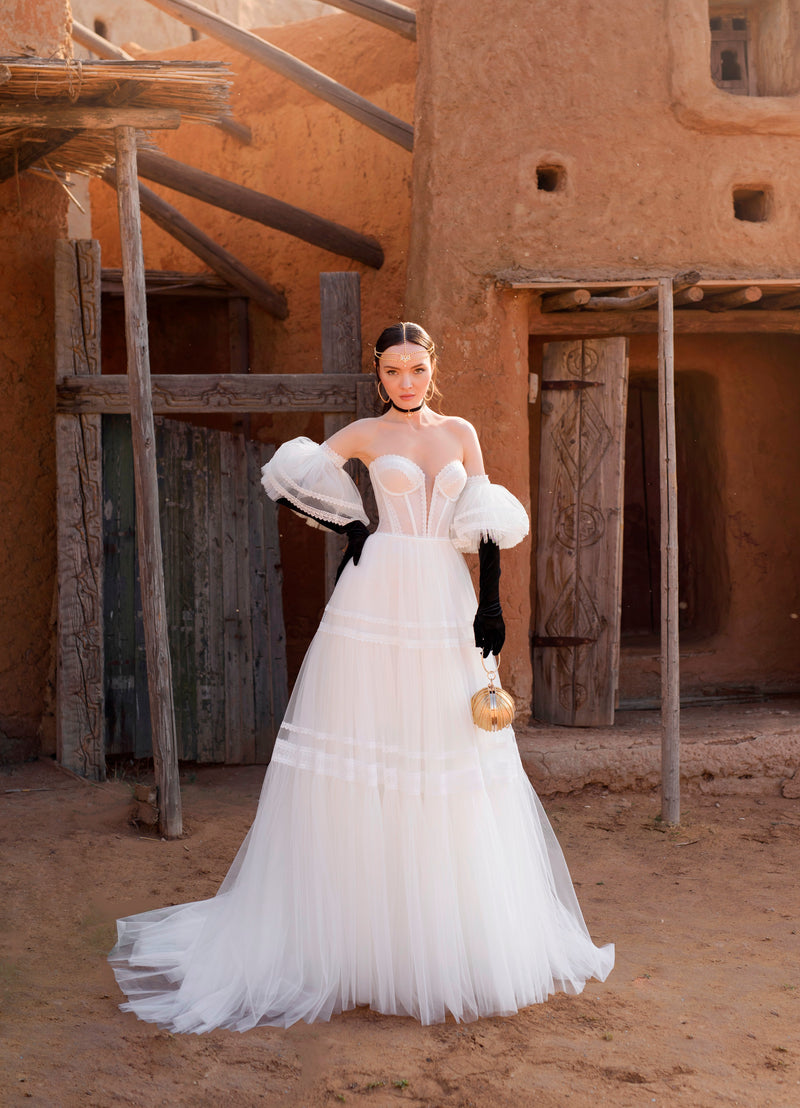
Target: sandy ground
703	1007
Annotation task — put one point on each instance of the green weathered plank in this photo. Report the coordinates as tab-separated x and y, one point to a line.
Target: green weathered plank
119	540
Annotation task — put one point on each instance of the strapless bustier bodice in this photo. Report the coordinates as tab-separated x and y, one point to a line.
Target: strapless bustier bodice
409	502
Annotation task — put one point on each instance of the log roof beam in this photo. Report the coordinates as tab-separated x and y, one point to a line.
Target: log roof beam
394	17
263	52
225	264
261	208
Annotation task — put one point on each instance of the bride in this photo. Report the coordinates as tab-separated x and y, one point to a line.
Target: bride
399	857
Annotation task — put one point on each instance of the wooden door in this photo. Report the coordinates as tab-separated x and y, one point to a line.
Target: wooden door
579	544
223	593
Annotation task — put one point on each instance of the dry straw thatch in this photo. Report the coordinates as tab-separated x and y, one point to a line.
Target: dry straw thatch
198	90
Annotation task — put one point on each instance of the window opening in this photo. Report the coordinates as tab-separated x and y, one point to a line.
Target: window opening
550	178
731	68
750	205
101	28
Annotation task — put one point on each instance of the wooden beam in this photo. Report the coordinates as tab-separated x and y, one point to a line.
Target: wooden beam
227	265
784	301
79	118
643	299
260	208
166	282
394	17
340	314
218	392
148	536
690	322
670	657
693	295
737	298
566	301
195	15
105	49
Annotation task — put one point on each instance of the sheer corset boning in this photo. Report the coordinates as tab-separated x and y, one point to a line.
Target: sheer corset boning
410	503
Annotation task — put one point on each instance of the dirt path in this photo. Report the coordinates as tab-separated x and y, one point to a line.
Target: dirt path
703	1007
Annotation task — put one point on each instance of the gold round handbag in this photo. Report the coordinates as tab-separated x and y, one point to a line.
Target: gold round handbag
492	709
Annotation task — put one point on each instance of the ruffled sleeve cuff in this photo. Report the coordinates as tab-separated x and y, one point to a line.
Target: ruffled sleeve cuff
487	511
312	478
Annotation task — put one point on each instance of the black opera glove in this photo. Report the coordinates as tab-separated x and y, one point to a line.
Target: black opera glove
357	533
488	625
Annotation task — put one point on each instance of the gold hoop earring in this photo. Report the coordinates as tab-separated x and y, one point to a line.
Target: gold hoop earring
385	399
429	392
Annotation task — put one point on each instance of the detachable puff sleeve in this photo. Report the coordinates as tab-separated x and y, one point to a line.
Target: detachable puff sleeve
312	478
487	511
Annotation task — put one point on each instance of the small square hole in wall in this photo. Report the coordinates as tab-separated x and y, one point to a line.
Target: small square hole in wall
750	205
550	178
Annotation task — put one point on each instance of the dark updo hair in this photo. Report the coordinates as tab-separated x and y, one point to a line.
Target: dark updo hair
400	333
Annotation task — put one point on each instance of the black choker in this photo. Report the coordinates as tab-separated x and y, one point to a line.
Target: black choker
407	411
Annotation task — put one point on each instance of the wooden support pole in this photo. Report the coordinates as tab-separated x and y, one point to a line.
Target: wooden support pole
80	704
151	569
221	261
738	298
261	208
340	311
566	301
105	49
670	663
280	62
394	17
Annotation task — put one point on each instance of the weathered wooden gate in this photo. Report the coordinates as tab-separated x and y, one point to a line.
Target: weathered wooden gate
84	398
579	544
223	595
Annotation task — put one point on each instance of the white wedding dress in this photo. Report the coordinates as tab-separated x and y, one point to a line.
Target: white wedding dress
399	857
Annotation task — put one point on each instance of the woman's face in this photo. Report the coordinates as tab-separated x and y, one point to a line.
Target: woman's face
405	372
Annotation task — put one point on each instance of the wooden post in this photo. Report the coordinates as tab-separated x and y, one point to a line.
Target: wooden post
151	570
79	474
340	308
670	660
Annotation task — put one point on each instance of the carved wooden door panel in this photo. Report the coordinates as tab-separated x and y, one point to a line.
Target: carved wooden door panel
579	544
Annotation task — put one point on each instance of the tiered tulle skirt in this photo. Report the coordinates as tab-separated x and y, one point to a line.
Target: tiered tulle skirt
399	856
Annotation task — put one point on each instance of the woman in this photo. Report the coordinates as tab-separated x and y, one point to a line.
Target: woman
399	856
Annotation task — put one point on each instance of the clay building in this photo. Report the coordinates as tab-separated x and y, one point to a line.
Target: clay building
562	160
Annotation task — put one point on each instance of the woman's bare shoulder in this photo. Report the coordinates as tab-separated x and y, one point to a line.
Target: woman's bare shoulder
355	438
463	429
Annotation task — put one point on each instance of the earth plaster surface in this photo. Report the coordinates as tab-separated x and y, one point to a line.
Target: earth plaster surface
701	1009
